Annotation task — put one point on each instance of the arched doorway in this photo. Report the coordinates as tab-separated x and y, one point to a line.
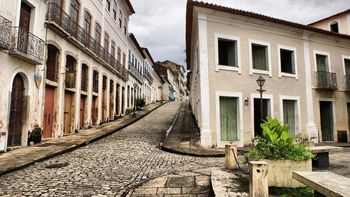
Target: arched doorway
16	112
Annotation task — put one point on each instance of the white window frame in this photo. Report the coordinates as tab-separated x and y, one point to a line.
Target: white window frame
256	71
328	58
298	114
343	57
240	135
238	52
257	96
280	73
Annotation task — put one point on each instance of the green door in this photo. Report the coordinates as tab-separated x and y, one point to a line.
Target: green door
326	120
289	115
228	118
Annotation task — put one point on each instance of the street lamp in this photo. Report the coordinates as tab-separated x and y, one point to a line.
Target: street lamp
261	82
135	86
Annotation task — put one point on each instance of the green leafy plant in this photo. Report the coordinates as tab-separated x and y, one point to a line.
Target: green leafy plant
140	102
276	144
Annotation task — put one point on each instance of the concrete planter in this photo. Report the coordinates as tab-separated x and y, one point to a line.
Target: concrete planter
280	172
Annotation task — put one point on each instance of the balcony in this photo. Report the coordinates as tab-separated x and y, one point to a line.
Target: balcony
61	23
5	33
27	46
134	72
148	76
326	80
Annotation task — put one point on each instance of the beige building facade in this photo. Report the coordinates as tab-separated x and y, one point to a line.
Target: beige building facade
228	49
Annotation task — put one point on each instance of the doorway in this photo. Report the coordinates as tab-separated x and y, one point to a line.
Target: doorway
68	111
82	111
94	110
258	115
16	112
326	115
49	111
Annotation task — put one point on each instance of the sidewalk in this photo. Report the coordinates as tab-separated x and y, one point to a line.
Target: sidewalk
23	157
184	137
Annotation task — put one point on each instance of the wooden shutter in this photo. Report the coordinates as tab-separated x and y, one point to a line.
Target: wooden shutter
228	118
289	116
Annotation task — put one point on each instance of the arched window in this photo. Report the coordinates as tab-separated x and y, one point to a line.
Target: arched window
74	10
98	33
106	46
70	71
87	22
52	63
119	55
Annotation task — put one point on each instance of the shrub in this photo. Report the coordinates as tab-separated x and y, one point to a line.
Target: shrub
276	144
140	102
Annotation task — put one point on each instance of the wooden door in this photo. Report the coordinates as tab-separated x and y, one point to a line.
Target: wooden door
82	110
68	98
123	100
326	113
94	110
117	98
24	23
104	108
49	112
111	105
16	112
228	118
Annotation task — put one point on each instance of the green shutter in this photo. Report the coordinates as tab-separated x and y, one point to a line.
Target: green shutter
347	66
259	57
289	115
321	61
228	118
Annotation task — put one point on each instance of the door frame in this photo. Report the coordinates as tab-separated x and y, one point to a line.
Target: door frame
298	120
334	118
240	135
257	96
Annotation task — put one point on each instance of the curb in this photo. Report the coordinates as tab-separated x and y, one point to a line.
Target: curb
78	145
176	151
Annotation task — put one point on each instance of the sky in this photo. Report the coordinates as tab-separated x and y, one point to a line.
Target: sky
159	25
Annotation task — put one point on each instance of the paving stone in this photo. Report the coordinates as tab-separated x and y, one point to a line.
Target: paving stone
145	191
158	182
185	181
169	191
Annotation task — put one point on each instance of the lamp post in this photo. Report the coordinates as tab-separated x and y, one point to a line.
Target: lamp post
261	82
135	86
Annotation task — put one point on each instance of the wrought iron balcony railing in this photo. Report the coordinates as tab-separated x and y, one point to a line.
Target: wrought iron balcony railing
5	33
27	46
326	80
135	72
148	76
60	22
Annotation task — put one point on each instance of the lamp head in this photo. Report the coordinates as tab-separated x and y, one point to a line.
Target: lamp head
260	81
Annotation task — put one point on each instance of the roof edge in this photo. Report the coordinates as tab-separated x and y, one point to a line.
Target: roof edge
134	40
329	17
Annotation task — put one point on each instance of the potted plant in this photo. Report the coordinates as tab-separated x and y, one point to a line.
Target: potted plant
282	154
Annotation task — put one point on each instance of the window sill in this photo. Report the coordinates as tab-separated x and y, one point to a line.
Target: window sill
288	75
263	72
228	68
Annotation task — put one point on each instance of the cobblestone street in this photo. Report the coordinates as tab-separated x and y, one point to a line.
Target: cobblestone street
110	166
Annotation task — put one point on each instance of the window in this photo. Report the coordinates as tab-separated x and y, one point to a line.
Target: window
74	10
260	57
347	66
113	49
84	77
227	52
228	118
106	42
108	5
98	33
322	63
334	27
95	81
87	22
124	58
290	115
120	18
70	72
119	55
125	26
287	61
52	63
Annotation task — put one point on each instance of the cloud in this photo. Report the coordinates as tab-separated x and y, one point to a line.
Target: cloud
159	25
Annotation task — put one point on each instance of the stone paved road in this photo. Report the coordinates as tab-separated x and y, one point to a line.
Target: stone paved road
108	167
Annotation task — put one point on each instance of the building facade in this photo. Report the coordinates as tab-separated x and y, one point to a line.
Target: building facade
179	78
66	67
303	67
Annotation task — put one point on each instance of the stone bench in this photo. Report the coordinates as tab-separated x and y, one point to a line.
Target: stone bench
325	183
322	155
